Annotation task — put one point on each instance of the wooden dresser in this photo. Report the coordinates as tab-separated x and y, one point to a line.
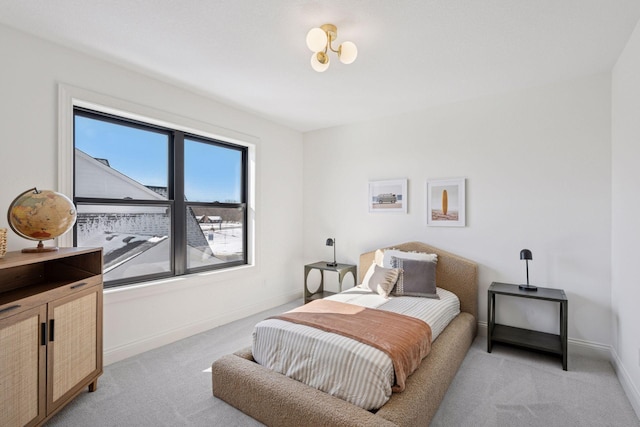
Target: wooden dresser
50	331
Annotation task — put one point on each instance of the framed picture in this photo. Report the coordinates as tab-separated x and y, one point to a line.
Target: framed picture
388	196
446	202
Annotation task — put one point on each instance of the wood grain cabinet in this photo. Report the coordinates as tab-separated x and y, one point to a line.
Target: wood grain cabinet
50	331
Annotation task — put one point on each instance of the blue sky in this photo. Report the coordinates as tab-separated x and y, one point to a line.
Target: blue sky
212	173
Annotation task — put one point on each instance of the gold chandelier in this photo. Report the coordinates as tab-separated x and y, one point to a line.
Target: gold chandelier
319	41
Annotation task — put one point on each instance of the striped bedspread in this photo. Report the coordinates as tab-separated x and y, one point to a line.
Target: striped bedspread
341	366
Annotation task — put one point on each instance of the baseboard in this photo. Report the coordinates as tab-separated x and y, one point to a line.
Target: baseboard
116	354
625	380
589	349
576	346
482	329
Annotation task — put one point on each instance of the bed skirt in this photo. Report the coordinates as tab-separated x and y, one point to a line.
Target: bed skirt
277	400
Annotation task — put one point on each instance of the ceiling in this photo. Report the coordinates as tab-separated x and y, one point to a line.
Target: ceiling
412	54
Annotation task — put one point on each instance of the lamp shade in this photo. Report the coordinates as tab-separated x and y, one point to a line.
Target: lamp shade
329	241
526	254
316	39
317	65
347	52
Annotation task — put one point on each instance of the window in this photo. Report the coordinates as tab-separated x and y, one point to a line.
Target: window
160	201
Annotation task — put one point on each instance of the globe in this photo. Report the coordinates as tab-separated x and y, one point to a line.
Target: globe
41	215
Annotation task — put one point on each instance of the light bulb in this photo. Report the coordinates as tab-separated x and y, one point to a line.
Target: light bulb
347	52
316	64
316	39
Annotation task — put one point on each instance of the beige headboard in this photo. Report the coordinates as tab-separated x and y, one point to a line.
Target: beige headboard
453	273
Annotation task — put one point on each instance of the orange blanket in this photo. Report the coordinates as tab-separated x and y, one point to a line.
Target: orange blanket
405	339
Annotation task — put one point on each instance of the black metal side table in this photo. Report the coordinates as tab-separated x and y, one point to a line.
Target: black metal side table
341	269
541	341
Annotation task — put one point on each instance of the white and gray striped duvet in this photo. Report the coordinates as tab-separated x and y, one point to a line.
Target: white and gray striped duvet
341	366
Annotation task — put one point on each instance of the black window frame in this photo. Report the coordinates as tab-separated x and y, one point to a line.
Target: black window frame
176	200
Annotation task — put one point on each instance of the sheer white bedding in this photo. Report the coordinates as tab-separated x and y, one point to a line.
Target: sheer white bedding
341	366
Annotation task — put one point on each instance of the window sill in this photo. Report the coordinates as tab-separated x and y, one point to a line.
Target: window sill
177	284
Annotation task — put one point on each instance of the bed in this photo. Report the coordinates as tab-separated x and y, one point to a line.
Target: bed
277	400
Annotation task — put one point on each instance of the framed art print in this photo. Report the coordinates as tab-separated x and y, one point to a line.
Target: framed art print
446	202
388	196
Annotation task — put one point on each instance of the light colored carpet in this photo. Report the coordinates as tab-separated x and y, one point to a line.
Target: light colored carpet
509	387
514	387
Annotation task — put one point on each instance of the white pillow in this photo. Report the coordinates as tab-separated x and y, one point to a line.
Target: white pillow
385	260
380	280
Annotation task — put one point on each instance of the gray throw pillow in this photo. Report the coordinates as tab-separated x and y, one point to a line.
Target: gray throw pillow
417	278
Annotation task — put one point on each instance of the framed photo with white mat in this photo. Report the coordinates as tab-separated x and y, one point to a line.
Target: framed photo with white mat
446	202
388	196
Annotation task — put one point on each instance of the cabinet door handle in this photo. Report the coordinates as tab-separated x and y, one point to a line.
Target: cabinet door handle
79	285
51	330
13	307
43	328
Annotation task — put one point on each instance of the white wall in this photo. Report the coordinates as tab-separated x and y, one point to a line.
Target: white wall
538	169
142	318
625	292
538	165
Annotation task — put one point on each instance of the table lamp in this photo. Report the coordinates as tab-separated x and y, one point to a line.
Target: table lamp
332	242
526	255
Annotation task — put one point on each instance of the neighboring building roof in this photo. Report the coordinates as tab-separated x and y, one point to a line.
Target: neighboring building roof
108	182
126	246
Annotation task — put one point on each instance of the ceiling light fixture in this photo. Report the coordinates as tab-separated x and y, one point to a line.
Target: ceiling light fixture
319	41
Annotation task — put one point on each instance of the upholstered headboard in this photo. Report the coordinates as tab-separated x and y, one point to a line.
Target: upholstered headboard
453	273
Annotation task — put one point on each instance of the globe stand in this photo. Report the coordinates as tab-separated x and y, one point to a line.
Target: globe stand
39	248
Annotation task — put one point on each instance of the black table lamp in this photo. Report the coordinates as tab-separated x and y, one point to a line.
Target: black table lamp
332	242
526	255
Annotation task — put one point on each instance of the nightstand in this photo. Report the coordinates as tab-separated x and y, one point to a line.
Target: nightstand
541	341
341	269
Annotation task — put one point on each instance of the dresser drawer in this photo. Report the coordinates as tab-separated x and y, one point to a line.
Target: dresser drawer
31	300
73	287
17	307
